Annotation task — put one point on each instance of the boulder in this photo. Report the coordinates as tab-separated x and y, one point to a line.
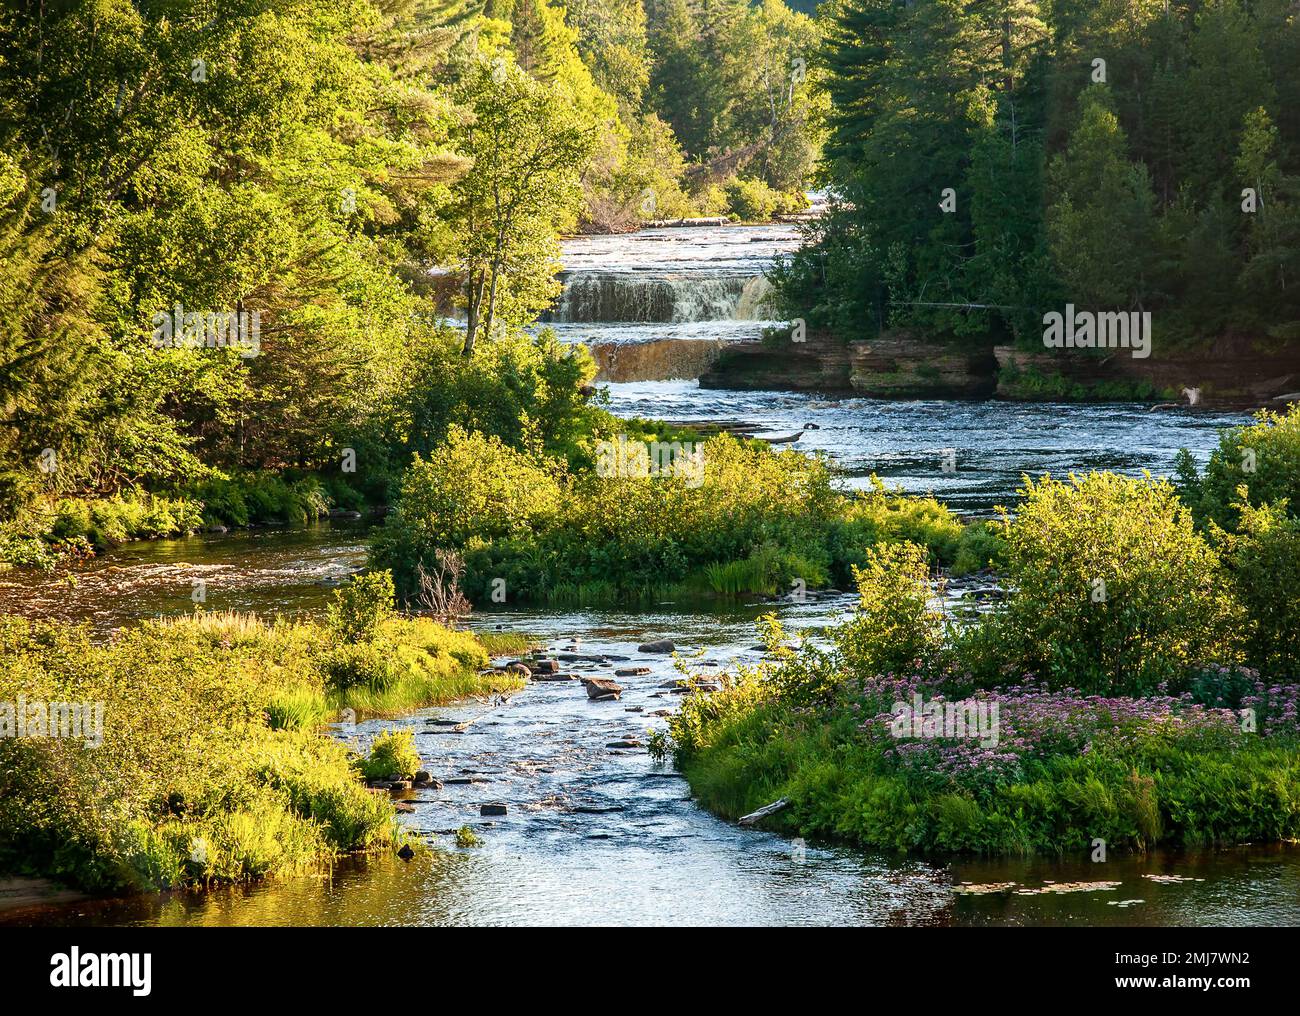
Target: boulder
520	669
631	671
492	809
544	666
598	689
406	853
661	646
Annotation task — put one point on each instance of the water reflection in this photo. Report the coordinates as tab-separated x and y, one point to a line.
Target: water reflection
601	835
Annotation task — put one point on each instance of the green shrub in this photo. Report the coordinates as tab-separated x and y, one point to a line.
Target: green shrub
248	498
360	665
1113	590
1263	558
361	607
71	520
193	780
1263	457
392	754
466	838
210	739
473	488
980	546
525	391
895	630
879	515
751	200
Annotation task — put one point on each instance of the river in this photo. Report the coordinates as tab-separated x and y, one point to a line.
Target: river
596	834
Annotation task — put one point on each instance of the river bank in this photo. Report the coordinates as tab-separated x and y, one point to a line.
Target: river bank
594	833
686	303
597	835
1229	374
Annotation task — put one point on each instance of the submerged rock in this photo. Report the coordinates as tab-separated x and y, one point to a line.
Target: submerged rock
492	809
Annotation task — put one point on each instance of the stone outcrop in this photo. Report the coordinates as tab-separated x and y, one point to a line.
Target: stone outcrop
1230	373
895	366
657	360
816	365
905	367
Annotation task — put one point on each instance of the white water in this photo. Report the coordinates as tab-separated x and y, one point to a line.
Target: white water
664	286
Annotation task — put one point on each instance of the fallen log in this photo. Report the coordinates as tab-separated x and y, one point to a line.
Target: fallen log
755	817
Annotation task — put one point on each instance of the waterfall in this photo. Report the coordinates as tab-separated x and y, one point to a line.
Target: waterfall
628	297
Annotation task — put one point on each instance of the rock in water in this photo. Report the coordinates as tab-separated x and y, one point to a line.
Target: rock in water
598	689
406	853
492	809
662	646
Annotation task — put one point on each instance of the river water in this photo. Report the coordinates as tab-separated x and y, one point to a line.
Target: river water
599	834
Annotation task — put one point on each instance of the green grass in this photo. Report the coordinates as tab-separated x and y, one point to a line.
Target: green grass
212	767
841	789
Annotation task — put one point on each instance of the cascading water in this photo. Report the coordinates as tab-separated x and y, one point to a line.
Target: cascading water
661	303
620	297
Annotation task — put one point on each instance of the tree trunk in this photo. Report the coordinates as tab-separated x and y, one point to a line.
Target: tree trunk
471	312
492	299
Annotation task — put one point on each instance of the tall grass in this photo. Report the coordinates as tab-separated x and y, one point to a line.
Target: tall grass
212	767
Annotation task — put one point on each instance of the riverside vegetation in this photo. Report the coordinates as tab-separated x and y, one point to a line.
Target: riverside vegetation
994	161
212	765
1144	663
351	175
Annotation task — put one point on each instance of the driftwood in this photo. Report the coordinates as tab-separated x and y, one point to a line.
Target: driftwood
754	817
713	220
440	594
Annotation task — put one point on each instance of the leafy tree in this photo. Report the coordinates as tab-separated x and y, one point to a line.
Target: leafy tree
528	148
1100	216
